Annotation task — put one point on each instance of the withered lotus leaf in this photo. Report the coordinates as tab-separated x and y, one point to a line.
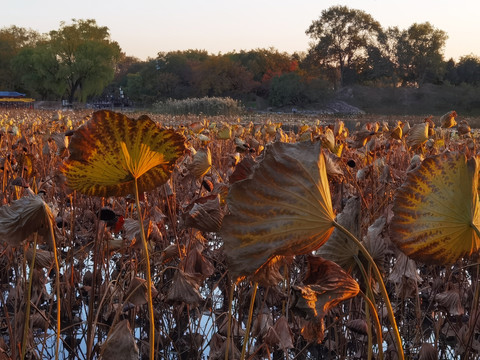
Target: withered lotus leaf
201	163
282	208
137	292
109	151
326	284
205	214
242	170
450	300
184	289
120	343
338	248
359	326
280	334
436	211
43	258
418	134
24	217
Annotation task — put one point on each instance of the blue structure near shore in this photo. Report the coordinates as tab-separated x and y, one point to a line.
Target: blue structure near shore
14	100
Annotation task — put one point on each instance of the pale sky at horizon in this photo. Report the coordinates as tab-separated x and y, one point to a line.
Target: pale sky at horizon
145	27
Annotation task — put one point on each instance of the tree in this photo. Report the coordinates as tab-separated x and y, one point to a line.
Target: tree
12	40
381	63
419	54
38	70
264	65
86	56
468	70
287	89
82	56
341	35
220	76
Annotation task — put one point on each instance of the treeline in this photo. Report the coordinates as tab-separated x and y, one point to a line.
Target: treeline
80	62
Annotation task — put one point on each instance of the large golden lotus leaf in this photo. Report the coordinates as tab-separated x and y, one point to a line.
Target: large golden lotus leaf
111	150
436	217
283	208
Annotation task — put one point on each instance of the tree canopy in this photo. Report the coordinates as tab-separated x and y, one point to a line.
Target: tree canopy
76	61
79	61
341	34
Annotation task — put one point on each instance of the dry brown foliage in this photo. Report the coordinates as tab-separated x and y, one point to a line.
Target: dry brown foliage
102	266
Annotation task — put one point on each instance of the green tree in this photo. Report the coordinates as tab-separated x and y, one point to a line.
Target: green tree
220	76
38	70
381	65
87	57
341	36
287	89
264	65
468	70
82	56
420	54
12	40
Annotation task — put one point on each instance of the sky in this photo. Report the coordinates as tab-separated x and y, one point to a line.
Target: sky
143	28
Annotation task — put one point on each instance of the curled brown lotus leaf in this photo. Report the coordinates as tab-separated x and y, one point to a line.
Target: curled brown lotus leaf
218	347
262	322
326	284
172	252
120	343
448	120
201	162
405	276
273	271
450	301
43	258
183	290
375	243
436	211
39	320
428	352
197	265
24	217
222	324
242	170
338	247
282	208
205	214
359	326
332	163
280	334
418	135
137	292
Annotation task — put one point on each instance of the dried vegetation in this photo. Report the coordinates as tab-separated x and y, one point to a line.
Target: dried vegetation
280	210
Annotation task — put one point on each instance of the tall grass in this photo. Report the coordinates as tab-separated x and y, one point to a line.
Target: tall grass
210	106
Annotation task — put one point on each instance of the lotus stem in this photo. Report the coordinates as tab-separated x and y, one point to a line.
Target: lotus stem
370	300
26	324
57	285
229	325
474	315
383	290
149	276
249	321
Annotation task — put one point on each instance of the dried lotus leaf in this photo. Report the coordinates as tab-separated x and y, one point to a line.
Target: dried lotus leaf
282	208
436	211
24	217
120	343
111	150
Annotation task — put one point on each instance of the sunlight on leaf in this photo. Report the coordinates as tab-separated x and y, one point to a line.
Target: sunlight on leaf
436	217
282	208
111	150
